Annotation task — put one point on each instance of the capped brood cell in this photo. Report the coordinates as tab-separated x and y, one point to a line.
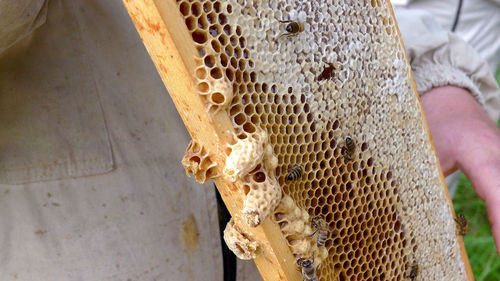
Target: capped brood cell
295	224
245	155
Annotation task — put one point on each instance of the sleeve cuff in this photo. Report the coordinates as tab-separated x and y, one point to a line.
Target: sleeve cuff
432	75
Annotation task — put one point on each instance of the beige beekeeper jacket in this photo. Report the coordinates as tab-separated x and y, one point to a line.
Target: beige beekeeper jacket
91	185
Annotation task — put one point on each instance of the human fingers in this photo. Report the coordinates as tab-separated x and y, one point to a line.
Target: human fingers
486	182
493	208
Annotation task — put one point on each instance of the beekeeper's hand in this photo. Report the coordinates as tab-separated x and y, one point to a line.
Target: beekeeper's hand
467	139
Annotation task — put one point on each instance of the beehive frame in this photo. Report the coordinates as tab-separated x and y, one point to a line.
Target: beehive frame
239	81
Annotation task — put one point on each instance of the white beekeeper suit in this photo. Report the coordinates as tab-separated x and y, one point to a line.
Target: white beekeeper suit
91	185
91	182
478	22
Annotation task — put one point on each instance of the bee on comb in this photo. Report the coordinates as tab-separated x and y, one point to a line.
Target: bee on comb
292	28
462	225
349	148
295	173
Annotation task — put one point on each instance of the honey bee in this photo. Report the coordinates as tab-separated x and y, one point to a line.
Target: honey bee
292	28
462	225
349	148
319	226
295	173
307	269
413	271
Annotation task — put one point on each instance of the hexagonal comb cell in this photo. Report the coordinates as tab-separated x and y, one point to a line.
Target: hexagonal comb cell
197	161
320	117
213	86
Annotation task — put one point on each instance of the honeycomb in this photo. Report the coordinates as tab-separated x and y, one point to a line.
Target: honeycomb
215	88
295	226
245	155
336	99
196	161
242	245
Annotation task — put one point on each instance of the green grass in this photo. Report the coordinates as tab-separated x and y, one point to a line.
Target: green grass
479	242
483	256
